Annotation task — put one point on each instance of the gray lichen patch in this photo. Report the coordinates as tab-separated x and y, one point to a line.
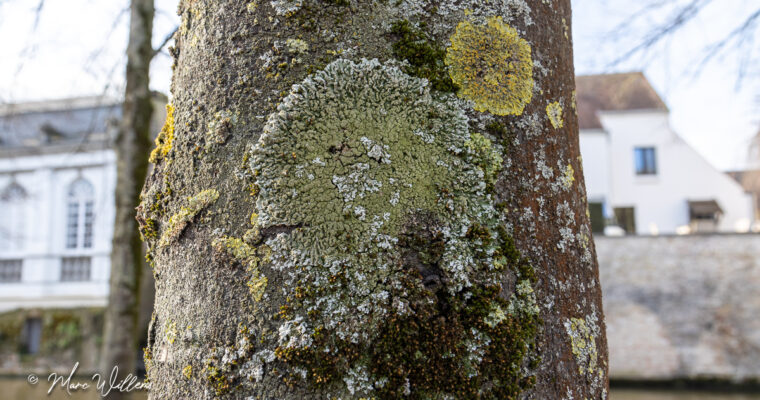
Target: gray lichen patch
373	197
583	334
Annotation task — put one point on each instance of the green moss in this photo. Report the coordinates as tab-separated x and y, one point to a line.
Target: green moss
425	56
496	129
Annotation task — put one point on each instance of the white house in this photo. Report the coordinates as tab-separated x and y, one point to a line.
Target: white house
640	175
57	181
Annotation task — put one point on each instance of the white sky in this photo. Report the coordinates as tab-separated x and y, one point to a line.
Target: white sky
78	48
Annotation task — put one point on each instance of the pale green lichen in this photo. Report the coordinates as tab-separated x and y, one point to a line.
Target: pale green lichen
360	166
484	155
554	112
495	316
165	137
492	65
219	127
286	7
179	221
524	300
296	46
251	7
249	256
583	334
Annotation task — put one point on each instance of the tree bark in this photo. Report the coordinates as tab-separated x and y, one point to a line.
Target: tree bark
358	199
122	336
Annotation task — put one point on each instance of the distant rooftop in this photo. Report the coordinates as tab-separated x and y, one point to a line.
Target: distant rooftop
613	92
60	123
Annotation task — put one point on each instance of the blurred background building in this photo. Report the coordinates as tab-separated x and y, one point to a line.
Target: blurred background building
57	181
57	210
641	177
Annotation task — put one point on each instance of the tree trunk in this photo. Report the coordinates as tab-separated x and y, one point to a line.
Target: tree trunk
122	336
359	199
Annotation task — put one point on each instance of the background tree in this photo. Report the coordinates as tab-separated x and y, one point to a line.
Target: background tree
365	199
122	329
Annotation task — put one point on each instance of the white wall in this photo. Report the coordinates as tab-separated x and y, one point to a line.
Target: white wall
660	200
595	152
46	178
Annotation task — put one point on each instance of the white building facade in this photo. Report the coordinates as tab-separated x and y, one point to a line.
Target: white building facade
640	175
57	183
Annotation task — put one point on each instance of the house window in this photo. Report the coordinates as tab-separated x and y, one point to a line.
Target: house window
10	271
646	163
626	219
79	215
12	217
704	215
31	335
75	269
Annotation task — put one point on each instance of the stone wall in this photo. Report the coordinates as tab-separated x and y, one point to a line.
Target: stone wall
682	307
67	336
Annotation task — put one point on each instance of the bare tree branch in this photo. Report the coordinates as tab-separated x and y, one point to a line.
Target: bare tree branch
659	33
168	38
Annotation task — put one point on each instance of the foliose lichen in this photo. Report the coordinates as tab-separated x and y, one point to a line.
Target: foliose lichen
165	137
492	65
374	196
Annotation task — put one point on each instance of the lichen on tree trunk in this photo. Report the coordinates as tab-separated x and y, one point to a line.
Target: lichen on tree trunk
372	200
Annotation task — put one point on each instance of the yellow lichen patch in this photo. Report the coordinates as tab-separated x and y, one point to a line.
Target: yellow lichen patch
171	332
187	372
250	256
573	102
165	137
568	177
583	343
180	220
251	7
554	112
492	65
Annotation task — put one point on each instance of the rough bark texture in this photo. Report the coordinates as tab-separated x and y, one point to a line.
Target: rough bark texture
122	333
326	225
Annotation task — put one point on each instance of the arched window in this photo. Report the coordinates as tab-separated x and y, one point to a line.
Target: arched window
79	215
12	217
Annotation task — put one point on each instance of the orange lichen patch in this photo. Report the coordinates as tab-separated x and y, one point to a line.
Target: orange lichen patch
165	137
492	66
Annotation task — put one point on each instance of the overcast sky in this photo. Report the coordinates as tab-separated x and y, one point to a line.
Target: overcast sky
77	48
